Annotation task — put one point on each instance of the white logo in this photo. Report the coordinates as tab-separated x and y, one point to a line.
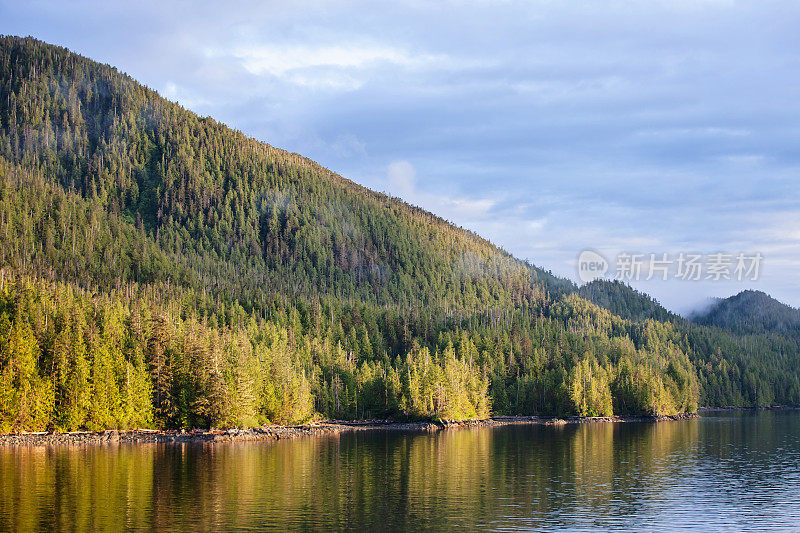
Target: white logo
591	266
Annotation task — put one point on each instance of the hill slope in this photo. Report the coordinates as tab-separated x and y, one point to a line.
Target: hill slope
161	269
752	312
229	211
624	301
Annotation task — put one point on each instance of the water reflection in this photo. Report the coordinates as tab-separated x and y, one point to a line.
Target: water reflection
722	472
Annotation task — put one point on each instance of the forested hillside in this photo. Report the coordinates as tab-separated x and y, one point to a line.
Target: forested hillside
624	301
752	312
160	269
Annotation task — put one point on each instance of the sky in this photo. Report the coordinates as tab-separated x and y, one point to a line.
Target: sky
550	128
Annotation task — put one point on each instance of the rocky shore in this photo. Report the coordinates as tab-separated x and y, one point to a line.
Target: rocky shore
274	432
761	408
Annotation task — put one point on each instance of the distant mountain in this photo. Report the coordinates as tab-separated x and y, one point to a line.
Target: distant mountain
623	300
751	312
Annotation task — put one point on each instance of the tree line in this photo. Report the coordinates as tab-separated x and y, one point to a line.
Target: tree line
160	269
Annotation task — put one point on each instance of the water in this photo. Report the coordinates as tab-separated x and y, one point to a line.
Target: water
723	472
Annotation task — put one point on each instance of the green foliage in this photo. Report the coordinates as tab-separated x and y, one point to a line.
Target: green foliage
589	389
752	313
161	270
624	301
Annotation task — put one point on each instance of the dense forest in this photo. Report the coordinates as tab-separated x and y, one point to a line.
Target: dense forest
751	312
160	269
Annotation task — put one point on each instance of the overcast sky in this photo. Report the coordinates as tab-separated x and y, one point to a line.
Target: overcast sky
547	127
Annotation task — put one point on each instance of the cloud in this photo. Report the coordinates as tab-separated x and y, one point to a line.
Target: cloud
322	66
175	93
402	179
278	60
473	207
348	145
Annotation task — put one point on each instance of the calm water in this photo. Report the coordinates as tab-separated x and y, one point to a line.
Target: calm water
723	472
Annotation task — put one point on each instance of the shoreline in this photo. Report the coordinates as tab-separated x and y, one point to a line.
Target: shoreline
278	432
734	408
